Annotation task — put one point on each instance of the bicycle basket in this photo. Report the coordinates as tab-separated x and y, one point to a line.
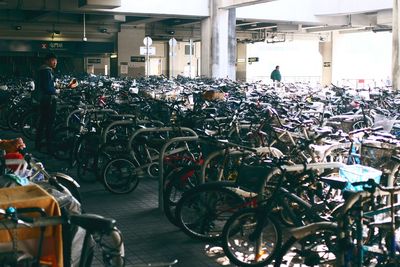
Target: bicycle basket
252	178
375	153
384	121
358	173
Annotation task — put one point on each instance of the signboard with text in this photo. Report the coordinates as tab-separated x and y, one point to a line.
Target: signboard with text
151	52
46	46
253	59
138	59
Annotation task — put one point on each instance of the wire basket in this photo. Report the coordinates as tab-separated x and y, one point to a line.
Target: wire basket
358	173
375	153
384	121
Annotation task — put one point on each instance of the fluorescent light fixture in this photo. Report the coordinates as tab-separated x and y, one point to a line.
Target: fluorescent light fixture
113	56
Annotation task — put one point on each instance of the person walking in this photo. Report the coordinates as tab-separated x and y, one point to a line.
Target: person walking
45	92
276	75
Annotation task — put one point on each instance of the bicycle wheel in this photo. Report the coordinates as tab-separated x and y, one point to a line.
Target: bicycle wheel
63	143
28	125
240	248
86	157
176	183
316	249
203	211
120	176
14	118
359	124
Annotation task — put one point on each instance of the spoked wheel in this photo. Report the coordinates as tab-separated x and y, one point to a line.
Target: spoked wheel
238	245
14	119
120	176
29	124
86	157
316	249
203	211
63	143
86	170
176	183
359	124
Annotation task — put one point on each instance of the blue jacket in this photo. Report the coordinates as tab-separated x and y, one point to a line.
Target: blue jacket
46	81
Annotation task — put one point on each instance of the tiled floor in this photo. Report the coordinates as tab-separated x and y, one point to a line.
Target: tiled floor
148	236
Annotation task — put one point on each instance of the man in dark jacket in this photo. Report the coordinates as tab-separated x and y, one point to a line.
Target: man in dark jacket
276	75
47	101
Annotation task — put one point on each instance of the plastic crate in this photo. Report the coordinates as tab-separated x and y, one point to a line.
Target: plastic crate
358	173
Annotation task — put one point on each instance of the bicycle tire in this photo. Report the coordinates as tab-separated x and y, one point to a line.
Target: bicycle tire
176	183
85	171
240	249
14	118
63	143
316	249
29	125
203	211
120	176
359	124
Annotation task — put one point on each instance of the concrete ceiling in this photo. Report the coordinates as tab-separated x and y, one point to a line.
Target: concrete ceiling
63	20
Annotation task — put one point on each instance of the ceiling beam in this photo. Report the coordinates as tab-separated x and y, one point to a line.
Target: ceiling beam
246	23
142	21
228	4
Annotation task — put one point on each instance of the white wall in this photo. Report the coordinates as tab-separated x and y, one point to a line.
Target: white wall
364	55
299	60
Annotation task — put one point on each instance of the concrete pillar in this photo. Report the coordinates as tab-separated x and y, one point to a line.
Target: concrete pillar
241	65
218	36
129	42
395	46
325	48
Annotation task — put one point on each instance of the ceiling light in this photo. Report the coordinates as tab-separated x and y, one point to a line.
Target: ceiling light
84	28
114	56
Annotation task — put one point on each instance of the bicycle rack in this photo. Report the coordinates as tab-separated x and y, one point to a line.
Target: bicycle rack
195	137
89	111
126	122
119	123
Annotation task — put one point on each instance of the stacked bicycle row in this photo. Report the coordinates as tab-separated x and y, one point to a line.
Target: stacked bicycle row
277	163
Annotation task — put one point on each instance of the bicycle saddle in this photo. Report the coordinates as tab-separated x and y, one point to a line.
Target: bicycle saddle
93	222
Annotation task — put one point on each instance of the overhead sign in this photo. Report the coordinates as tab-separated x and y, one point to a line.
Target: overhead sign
94	60
147	41
138	59
58	47
253	59
151	50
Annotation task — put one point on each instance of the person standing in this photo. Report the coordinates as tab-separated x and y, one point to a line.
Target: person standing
276	75
45	95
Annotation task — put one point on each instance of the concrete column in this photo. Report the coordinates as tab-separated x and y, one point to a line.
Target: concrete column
218	36
325	48
395	46
241	65
129	42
